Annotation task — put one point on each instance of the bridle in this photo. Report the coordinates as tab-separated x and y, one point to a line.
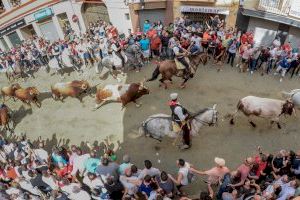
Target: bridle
213	121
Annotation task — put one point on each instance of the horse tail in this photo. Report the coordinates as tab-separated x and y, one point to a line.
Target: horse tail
233	115
155	74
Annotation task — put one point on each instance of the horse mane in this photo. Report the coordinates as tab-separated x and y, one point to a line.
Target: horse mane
199	112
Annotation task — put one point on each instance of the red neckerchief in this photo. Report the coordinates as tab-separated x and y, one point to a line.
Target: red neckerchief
173	103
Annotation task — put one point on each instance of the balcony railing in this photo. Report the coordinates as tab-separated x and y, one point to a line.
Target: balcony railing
280	7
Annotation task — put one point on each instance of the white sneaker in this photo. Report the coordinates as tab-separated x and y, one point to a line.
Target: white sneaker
280	80
251	72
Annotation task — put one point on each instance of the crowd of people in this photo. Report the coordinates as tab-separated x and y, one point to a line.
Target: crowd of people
28	171
156	40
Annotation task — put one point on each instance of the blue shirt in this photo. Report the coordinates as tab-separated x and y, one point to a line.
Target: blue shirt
146	27
284	63
144	44
91	164
58	159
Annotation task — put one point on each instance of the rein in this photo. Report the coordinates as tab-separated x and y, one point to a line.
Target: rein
193	117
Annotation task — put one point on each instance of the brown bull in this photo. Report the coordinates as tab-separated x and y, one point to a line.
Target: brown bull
4	117
122	93
9	90
28	95
70	89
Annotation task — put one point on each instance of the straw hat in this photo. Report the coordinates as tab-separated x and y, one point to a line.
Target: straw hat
220	161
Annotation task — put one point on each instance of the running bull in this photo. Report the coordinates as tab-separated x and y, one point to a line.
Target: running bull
267	108
122	93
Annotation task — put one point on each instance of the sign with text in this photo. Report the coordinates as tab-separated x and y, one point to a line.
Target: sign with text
204	9
12	27
46	12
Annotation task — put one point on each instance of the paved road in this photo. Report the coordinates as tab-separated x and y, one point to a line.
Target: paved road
77	122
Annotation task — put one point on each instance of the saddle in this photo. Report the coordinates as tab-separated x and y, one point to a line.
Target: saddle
179	65
177	129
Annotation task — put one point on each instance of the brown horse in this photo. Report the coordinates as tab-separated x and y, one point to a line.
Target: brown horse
5	117
168	69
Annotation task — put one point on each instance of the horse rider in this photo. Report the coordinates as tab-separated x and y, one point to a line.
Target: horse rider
117	48
180	54
56	52
180	116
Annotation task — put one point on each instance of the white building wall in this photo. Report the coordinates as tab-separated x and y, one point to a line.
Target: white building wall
264	30
117	11
294	37
71	9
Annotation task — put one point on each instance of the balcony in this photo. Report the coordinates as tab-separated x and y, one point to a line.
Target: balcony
15	3
147	4
280	7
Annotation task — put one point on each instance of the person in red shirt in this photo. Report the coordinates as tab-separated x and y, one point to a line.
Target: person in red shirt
244	38
155	45
151	33
287	47
184	42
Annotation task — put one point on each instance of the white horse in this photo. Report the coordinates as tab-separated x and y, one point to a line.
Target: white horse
109	62
294	95
160	125
66	62
112	62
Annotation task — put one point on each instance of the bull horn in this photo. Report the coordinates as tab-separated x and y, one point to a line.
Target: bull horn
97	84
214	106
286	94
142	82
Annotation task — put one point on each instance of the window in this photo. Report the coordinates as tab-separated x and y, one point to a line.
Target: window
127	16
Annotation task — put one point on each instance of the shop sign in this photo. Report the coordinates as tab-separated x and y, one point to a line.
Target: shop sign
295	9
205	9
46	12
12	27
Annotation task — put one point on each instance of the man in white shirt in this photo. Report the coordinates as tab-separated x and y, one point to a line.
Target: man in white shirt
79	194
92	181
288	190
78	163
180	116
41	154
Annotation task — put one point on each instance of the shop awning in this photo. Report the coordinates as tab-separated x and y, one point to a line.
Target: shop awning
204	9
271	17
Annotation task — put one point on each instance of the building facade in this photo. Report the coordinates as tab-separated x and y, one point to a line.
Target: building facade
22	19
196	10
269	19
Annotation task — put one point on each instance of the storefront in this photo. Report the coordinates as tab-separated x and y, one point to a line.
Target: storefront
10	32
28	31
202	14
46	25
4	44
267	26
64	22
151	15
94	11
